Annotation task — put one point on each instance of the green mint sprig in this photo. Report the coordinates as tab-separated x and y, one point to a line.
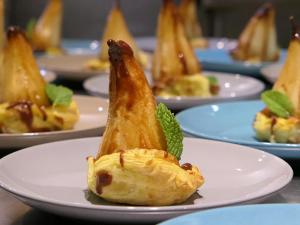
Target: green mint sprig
30	27
171	130
278	103
59	95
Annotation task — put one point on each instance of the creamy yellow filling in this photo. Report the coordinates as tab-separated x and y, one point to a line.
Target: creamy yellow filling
192	85
142	177
22	118
276	129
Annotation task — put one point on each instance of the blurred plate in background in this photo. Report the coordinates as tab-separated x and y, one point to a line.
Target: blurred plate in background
232	122
149	43
271	72
220	60
71	67
232	87
92	121
48	76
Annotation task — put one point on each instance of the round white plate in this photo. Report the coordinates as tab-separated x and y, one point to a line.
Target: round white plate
72	67
146	43
233	87
149	43
55	179
92	121
48	76
271	72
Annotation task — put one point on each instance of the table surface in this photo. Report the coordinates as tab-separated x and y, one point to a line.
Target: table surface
14	212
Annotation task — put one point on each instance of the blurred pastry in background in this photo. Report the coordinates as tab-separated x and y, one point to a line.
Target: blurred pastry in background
116	28
2	22
27	103
45	33
188	10
279	121
176	70
258	41
138	160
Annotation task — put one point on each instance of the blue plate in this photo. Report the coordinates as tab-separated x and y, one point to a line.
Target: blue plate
265	214
220	60
231	122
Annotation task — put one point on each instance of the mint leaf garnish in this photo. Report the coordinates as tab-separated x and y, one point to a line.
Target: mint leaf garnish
212	80
171	130
278	103
59	95
30	27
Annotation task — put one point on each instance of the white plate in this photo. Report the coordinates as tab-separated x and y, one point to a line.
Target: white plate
48	76
233	87
55	180
271	72
149	43
92	121
72	67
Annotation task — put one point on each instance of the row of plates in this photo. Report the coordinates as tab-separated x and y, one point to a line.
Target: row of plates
216	58
62	189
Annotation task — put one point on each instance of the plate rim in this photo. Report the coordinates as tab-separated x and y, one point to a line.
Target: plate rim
229	208
143	209
260	87
51	134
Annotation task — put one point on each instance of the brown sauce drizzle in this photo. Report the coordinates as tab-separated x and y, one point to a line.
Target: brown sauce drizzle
103	179
187	166
214	89
122	158
166	154
43	111
24	110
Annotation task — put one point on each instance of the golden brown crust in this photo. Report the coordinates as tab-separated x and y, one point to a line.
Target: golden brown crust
47	32
258	41
132	119
20	78
174	55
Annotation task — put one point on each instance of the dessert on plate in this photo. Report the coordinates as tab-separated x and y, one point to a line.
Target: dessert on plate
138	160
258	41
45	34
189	15
27	103
279	121
176	70
116	28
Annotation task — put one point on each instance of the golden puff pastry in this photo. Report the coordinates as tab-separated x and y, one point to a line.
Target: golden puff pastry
117	29
142	177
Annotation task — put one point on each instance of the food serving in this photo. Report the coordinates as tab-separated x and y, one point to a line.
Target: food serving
188	10
258	41
45	34
279	121
138	160
176	70
116	28
27	103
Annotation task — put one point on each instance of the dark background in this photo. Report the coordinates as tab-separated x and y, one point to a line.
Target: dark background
219	18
